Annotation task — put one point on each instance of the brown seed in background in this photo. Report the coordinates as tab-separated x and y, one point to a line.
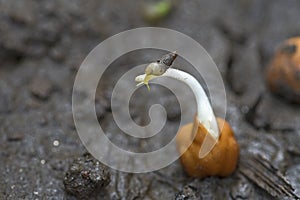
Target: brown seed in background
283	72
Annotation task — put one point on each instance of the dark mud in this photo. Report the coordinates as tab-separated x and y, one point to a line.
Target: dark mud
42	43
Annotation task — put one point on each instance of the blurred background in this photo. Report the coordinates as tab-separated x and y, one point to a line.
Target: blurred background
42	44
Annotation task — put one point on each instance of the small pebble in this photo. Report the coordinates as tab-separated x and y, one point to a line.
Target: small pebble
41	87
242	190
85	176
188	192
15	136
55	143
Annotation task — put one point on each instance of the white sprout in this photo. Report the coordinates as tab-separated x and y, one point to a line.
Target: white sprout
205	113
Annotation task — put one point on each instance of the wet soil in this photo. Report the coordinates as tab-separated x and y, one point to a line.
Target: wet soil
42	44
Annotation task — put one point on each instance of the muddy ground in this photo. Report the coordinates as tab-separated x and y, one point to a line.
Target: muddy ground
42	44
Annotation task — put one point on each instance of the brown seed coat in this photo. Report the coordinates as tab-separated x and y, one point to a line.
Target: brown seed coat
220	161
283	72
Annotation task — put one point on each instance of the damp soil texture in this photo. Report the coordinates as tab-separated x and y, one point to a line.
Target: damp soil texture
42	44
